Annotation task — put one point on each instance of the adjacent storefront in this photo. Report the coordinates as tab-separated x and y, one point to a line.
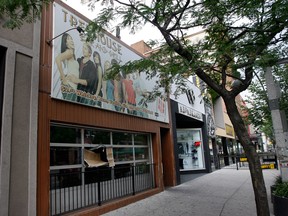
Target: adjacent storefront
225	135
190	132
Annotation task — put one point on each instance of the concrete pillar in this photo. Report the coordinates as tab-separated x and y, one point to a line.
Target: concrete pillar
279	123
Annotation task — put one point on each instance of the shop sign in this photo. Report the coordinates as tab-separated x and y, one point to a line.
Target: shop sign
189	112
190	96
243	159
268	166
229	130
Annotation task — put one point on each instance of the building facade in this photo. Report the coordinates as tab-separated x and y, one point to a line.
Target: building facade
19	65
75	142
98	139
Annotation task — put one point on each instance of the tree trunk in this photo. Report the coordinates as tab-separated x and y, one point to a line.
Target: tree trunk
252	156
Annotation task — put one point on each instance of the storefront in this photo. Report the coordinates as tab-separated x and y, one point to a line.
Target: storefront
97	140
90	166
225	135
190	132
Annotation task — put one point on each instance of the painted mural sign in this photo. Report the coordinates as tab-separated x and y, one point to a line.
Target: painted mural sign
190	103
78	70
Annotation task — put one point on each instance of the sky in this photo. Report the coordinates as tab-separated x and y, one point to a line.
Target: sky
147	32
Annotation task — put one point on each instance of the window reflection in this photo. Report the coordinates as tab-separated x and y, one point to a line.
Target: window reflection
140	139
96	137
141	153
127	147
123	154
122	138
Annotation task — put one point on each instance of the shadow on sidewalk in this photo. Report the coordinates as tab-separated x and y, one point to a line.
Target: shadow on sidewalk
189	177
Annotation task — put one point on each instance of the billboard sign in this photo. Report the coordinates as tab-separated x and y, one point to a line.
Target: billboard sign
78	69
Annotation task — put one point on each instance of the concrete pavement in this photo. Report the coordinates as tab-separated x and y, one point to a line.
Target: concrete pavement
225	192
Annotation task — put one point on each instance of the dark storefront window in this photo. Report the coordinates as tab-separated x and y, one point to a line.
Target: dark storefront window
65	156
90	165
92	136
65	135
70	145
122	138
141	153
123	154
141	139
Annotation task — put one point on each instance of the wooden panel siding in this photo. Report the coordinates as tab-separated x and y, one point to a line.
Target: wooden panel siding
62	111
43	157
51	110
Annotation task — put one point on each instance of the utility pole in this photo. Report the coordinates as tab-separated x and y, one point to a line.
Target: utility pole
279	122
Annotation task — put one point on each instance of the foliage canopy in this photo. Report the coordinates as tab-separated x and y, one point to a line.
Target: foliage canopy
14	13
259	112
239	35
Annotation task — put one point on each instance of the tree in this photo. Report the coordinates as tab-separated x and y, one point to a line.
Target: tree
240	35
259	112
14	13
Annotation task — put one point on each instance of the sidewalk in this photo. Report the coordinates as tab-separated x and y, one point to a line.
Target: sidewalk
224	192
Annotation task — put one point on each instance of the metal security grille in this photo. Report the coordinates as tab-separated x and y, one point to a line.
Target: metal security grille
71	191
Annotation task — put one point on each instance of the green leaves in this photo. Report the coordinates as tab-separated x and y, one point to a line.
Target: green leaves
259	113
15	13
239	37
95	27
281	189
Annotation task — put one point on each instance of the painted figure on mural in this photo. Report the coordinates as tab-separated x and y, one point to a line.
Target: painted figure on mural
87	76
129	93
108	88
67	66
118	92
161	105
98	66
141	94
